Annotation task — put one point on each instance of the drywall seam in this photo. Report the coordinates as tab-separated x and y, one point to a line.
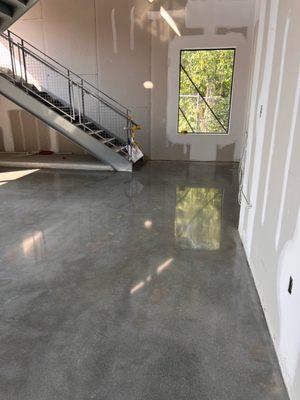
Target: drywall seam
151	94
288	160
97	45
132	22
261	120
114	31
38	137
43	27
22	129
276	116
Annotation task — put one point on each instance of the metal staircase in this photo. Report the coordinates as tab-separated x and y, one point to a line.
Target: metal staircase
66	102
11	10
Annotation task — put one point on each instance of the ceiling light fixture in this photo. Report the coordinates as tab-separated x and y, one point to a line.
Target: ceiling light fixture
167	17
148	85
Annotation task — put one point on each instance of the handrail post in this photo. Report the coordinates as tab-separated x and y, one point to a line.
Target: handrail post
82	98
70	95
129	133
11	51
24	60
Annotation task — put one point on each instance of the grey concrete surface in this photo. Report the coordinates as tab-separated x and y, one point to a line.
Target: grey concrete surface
118	286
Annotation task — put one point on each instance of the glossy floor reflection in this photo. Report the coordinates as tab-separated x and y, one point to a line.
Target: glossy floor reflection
198	218
117	286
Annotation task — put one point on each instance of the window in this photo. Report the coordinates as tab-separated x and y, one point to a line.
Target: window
205	90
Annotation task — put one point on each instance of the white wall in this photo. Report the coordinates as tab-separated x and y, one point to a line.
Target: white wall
270	228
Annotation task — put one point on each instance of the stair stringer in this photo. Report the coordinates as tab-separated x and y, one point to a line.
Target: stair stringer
63	126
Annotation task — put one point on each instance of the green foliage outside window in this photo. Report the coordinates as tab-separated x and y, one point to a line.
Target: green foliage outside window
206	73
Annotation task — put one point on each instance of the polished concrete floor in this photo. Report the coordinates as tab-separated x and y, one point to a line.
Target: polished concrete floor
129	287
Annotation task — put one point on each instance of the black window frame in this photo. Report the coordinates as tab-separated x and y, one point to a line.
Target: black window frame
231	91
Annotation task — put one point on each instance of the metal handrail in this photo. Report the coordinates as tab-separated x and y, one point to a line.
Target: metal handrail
82	84
64	67
68	93
79	85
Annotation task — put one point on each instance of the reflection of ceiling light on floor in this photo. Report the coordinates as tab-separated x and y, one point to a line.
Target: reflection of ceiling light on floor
148	85
137	287
165	265
169	20
159	270
29	242
148	224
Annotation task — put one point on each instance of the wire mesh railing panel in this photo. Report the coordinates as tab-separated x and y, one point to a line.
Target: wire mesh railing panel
91	108
113	122
57	85
5	56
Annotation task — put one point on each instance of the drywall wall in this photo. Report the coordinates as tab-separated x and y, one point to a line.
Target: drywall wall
270	226
22	132
119	44
215	146
107	43
202	24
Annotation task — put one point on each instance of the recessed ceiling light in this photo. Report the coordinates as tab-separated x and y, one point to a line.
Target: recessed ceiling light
148	85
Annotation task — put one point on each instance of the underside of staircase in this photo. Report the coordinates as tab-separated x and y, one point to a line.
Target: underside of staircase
64	101
12	10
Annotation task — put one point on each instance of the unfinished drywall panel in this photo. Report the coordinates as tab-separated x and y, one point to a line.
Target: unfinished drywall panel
161	147
229	13
202	26
204	147
22	132
124	55
69	32
5	127
110	49
270	229
254	79
31	31
120	44
34	12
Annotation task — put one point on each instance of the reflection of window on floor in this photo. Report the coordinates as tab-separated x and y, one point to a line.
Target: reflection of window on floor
198	218
205	90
